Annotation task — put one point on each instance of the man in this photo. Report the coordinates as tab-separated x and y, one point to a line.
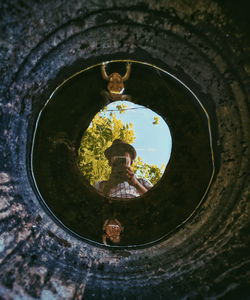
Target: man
112	229
122	182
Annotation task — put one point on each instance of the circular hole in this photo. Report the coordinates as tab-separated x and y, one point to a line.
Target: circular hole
66	191
125	150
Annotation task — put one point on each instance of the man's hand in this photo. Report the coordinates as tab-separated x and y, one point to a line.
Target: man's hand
132	179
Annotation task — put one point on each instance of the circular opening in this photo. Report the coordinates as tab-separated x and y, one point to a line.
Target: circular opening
125	150
56	154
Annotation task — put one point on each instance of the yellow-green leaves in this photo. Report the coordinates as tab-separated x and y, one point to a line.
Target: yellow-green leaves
156	120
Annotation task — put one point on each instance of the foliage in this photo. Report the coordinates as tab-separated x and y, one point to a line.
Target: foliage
156	120
121	108
151	172
103	130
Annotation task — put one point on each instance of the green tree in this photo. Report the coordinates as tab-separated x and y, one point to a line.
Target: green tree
103	130
151	172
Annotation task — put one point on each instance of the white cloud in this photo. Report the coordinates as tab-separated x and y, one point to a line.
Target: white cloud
147	149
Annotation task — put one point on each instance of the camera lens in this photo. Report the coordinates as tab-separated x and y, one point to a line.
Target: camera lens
119	162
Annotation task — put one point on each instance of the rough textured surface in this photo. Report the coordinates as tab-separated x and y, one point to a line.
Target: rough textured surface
205	44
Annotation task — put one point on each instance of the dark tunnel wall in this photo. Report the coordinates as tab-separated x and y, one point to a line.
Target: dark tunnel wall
203	43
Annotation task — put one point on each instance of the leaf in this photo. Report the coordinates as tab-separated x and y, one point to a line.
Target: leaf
156	120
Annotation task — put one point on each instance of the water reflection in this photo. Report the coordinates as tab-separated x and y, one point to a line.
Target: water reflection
59	137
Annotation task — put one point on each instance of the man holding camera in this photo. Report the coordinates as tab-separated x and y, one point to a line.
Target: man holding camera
122	182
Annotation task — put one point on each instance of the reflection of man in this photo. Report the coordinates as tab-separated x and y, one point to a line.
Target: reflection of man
122	182
112	229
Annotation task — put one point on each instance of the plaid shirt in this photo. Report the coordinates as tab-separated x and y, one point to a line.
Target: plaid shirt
123	189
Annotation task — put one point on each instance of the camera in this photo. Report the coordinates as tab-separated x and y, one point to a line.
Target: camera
120	161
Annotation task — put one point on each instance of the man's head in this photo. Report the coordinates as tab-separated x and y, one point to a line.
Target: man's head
113	229
120	153
115	85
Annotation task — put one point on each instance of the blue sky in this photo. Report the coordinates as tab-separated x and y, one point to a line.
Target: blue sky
153	143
